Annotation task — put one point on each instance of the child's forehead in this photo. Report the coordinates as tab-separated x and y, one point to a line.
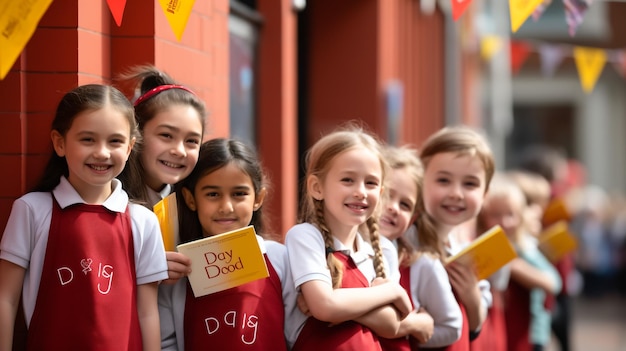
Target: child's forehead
456	164
356	155
443	158
97	117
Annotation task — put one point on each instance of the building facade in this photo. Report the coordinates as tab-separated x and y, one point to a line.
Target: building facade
276	73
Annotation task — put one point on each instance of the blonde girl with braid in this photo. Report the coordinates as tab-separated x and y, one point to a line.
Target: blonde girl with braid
342	277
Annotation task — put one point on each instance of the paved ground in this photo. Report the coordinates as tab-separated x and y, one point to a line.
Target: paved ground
599	324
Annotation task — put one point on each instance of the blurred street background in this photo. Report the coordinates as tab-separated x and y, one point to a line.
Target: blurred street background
598	324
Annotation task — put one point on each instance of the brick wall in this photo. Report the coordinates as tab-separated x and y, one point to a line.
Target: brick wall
79	43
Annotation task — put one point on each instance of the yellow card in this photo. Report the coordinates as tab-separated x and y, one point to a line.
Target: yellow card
177	13
520	10
167	213
555	211
556	241
224	261
18	21
487	253
589	62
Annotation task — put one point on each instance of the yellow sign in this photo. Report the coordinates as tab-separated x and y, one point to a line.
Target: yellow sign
18	21
557	210
556	241
177	13
589	62
487	253
224	261
520	10
167	213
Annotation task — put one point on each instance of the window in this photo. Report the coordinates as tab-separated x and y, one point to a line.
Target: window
242	41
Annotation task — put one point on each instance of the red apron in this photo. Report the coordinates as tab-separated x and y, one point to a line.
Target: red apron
88	290
248	317
517	317
463	344
493	334
401	344
347	336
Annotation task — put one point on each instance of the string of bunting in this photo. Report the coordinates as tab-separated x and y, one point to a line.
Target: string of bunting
589	61
19	20
520	10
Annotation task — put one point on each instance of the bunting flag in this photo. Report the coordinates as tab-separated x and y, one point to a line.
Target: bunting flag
589	62
551	57
177	13
618	58
519	53
520	10
539	10
459	7
18	21
489	46
574	13
117	10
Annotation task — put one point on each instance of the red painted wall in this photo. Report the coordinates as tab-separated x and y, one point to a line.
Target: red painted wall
276	111
78	42
357	48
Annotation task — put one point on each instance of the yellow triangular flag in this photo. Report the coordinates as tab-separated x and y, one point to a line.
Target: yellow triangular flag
177	13
520	10
18	21
489	45
589	62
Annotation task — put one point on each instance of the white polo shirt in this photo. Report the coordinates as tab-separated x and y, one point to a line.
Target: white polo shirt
25	236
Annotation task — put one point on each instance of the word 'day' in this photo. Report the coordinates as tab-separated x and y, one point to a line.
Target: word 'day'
221	263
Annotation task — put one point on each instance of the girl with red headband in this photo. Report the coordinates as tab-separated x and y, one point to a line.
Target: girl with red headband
171	120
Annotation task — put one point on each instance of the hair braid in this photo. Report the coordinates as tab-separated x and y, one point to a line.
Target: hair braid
379	266
334	265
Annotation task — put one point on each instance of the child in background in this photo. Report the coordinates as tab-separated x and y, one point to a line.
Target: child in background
551	163
536	190
494	336
532	276
225	192
332	265
458	166
171	120
422	273
86	260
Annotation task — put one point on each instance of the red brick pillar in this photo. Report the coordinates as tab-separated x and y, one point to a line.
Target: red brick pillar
277	121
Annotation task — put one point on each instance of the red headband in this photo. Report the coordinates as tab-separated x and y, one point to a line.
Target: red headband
152	92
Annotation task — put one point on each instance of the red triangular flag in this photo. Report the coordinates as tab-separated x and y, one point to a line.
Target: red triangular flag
117	10
519	53
459	7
